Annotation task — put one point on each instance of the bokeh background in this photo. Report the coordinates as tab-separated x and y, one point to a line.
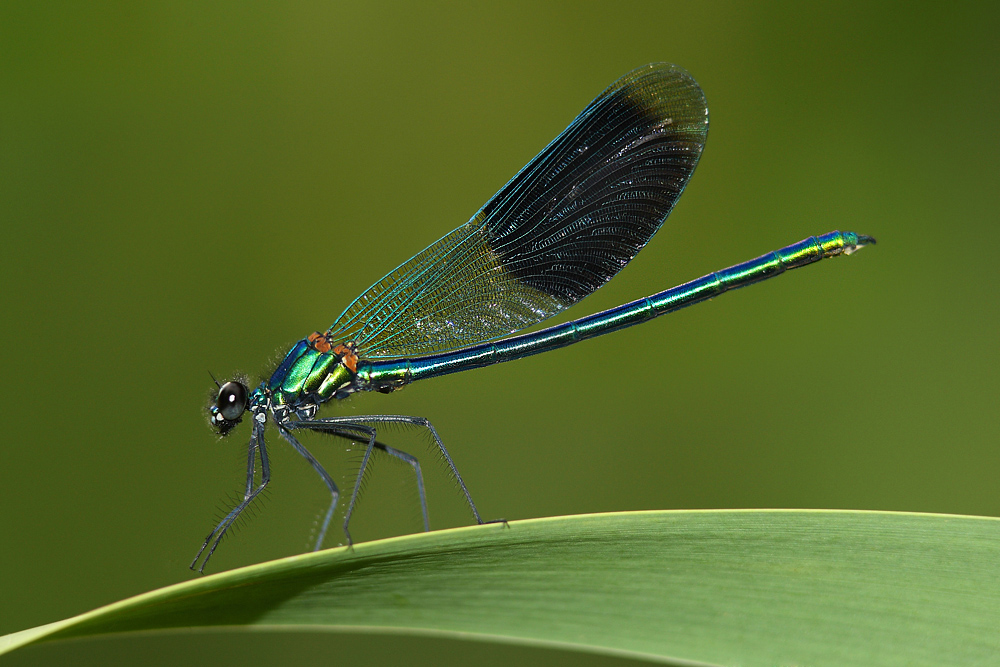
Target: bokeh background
188	187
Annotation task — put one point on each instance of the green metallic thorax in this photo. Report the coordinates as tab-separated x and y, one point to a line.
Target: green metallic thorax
307	375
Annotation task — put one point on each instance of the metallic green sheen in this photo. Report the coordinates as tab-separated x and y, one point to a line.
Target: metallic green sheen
381	374
281	372
319	372
299	372
334	380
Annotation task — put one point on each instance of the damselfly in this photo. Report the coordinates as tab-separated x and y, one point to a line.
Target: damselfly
570	220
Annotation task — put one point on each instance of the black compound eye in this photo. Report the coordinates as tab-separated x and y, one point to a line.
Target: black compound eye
232	400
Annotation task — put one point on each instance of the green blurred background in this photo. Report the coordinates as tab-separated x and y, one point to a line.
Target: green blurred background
186	187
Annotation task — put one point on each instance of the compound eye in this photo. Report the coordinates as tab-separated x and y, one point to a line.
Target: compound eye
232	400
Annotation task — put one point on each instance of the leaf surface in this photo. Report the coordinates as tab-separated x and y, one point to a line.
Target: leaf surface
728	587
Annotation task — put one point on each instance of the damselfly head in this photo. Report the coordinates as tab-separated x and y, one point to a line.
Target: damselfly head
229	405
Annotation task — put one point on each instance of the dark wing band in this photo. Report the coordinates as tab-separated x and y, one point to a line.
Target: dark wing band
563	226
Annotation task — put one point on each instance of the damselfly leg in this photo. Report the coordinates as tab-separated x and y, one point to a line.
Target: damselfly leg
366	424
283	429
256	447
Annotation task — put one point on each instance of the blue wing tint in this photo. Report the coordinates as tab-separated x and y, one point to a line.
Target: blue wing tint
562	227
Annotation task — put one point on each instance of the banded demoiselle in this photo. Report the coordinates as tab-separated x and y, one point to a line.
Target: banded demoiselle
570	220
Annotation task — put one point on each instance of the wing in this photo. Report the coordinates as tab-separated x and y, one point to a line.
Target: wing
570	220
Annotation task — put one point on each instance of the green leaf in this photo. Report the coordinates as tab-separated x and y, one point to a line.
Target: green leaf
722	587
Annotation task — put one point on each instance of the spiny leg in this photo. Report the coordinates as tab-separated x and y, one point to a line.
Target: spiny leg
362	434
415	464
370	434
357	487
283	429
257	445
398	419
251	460
317	424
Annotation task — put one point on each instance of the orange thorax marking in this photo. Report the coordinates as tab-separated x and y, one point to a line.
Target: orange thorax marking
348	357
346	352
319	342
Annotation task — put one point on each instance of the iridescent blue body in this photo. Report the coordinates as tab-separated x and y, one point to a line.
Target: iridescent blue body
395	373
562	227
